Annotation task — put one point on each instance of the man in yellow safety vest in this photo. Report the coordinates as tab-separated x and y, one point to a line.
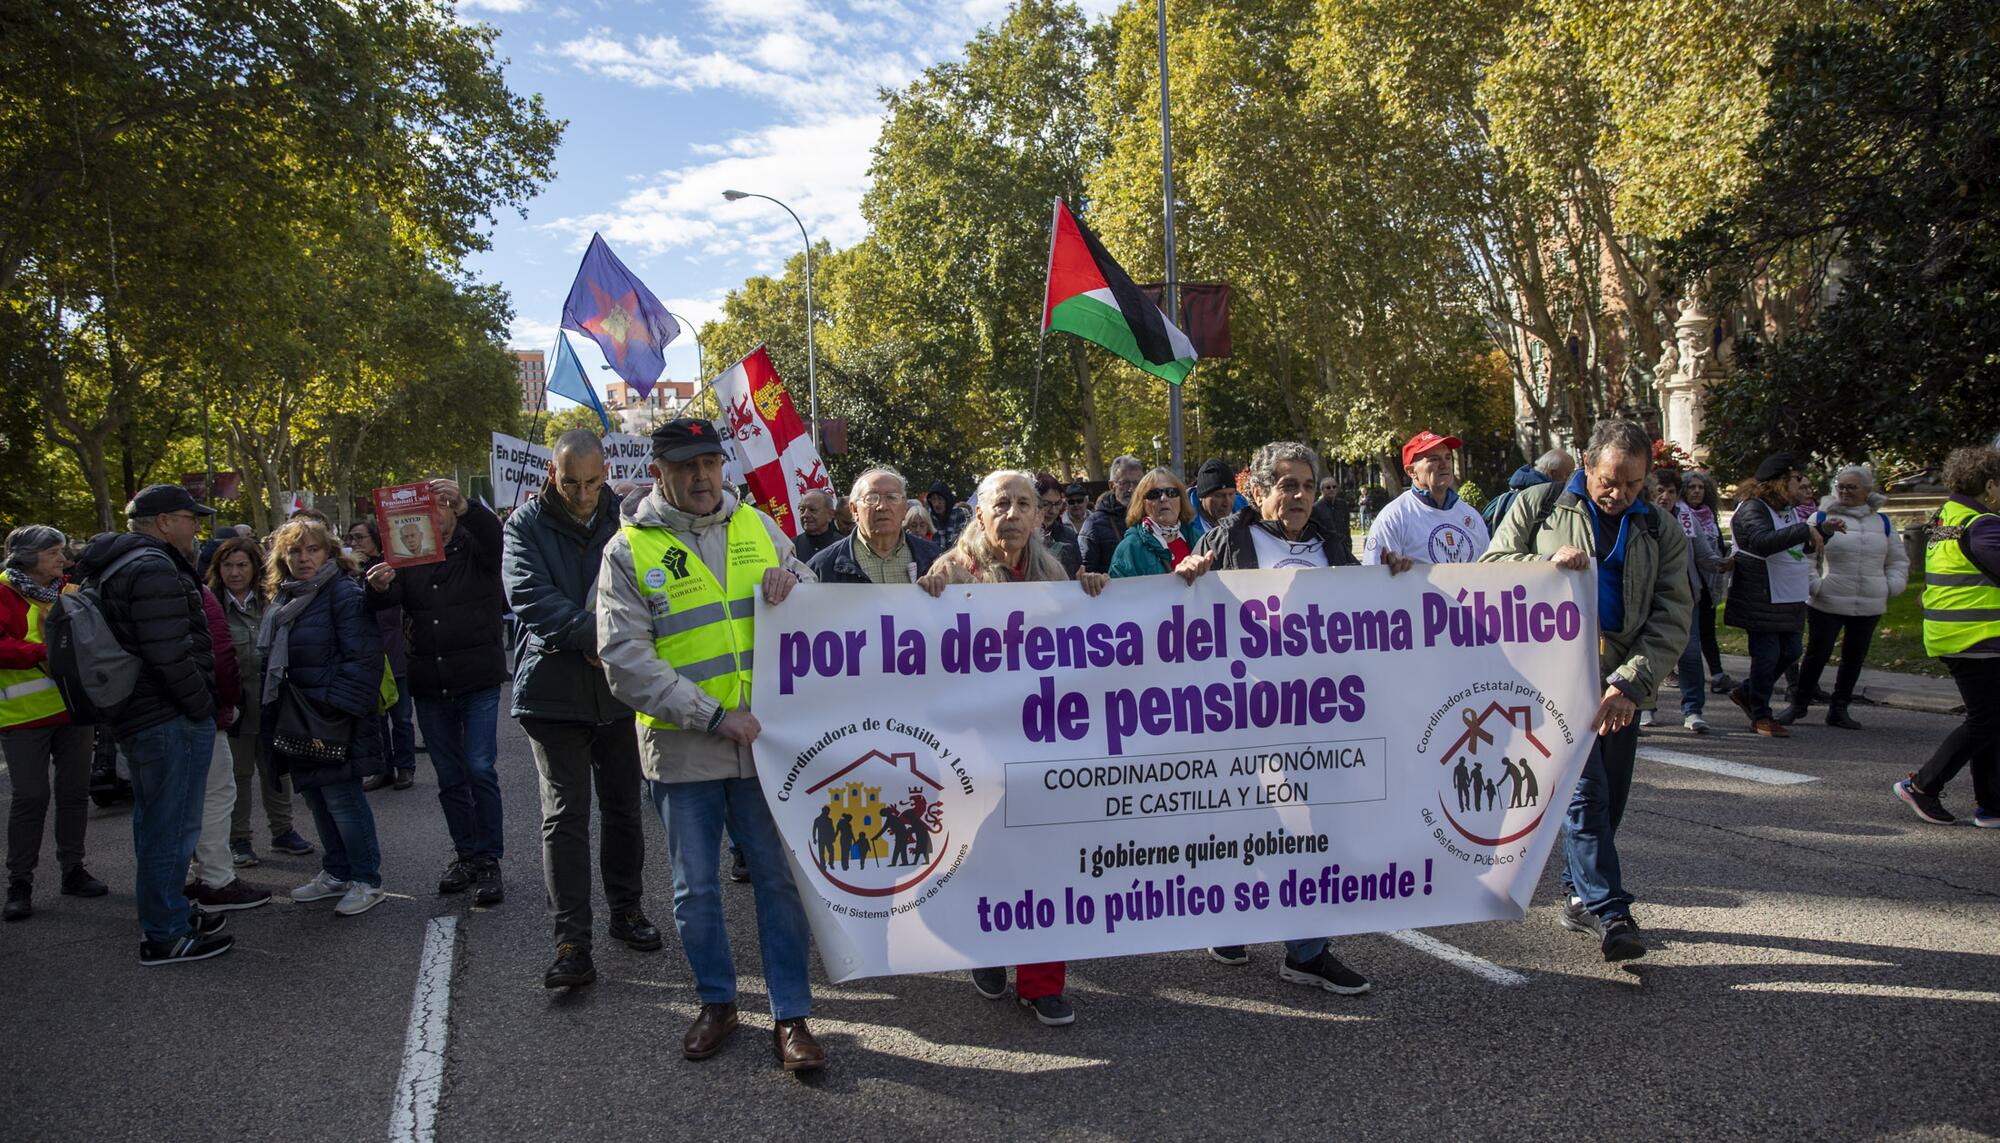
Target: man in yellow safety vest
676	607
1962	628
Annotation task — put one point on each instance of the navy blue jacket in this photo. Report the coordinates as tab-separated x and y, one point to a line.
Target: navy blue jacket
550	568
335	659
836	564
1102	531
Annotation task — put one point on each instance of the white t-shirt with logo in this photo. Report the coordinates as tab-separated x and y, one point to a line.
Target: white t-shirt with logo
1274	552
1410	527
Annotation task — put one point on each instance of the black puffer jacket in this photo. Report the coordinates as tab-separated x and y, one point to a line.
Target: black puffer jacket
153	606
1750	605
1102	530
551	572
335	659
1235	550
451	612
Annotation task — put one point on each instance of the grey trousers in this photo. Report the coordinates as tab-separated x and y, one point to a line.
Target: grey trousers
570	757
31	753
253	772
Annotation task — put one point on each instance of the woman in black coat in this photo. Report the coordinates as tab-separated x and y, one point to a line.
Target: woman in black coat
1767	597
320	642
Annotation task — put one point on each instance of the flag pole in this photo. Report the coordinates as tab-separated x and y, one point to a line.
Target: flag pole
1171	296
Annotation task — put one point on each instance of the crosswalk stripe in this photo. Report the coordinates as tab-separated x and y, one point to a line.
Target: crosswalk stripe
1452	954
1742	770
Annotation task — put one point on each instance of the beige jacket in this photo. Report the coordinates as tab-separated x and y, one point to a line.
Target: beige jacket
648	683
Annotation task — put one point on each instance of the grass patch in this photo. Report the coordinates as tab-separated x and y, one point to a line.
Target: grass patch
1898	645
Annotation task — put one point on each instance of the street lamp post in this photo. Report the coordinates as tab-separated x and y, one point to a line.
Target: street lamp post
700	363
812	379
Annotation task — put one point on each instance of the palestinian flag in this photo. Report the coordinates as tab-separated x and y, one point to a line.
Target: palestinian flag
1091	297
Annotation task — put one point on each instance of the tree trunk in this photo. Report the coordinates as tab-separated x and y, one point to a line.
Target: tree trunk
1086	406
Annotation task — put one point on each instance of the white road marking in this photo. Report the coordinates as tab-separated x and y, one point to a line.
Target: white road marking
1452	954
1886	991
414	1119
1741	770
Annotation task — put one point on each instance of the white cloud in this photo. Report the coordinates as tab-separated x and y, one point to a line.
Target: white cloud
528	333
493	5
818	169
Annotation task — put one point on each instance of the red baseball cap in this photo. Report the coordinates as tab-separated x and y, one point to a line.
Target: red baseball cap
1424	442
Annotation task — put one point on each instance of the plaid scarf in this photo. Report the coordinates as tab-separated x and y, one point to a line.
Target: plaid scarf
32	591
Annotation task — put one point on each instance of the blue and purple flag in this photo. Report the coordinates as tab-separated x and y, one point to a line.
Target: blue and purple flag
616	310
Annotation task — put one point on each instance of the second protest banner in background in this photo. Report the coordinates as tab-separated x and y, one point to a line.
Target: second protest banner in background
1010	774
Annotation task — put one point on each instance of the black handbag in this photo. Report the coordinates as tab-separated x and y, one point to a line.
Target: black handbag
308	734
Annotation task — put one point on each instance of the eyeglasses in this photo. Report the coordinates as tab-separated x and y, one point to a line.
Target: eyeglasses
1847	488
1076	499
1164	492
878	499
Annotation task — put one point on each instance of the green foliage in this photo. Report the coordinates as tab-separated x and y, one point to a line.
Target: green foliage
1883	151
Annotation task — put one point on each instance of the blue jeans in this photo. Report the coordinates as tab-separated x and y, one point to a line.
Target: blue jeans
1590	855
1770	653
346	832
694	814
1305	950
461	733
399	729
169	774
1694	685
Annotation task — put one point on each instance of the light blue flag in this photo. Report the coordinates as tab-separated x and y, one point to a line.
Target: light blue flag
566	379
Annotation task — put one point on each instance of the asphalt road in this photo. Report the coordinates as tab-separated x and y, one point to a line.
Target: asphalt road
1823	965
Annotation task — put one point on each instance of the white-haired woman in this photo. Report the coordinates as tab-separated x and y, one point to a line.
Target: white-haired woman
1003	544
1854	578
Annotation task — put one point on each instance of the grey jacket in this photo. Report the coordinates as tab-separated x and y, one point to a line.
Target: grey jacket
644	681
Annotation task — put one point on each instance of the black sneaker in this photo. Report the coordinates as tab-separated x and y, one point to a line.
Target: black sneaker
77	882
207	924
293	843
374	782
635	930
403	780
1621	940
1053	1011
20	899
1789	715
458	876
486	886
1324	971
183	950
572	968
1927	806
1230	954
990	982
739	869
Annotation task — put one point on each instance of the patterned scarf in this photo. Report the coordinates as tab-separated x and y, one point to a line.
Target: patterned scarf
35	593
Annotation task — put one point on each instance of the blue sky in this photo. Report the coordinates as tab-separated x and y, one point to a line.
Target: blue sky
671	103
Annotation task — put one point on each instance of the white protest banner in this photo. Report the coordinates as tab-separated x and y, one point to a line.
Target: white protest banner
1012	774
626	458
518	469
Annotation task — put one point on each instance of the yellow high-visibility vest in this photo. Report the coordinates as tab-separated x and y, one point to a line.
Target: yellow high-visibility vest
705	630
28	695
1961	605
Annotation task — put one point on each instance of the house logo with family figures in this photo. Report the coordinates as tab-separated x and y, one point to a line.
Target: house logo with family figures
1490	789
881	829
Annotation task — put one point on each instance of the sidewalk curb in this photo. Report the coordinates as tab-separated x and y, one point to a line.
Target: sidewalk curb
1883	688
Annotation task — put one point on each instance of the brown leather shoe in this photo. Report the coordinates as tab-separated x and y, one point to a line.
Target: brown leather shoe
1771	729
797	1049
705	1036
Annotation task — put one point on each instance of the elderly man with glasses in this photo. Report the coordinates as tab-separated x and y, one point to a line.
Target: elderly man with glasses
1101	534
880	550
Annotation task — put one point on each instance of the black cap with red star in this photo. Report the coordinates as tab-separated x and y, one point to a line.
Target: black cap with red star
685	438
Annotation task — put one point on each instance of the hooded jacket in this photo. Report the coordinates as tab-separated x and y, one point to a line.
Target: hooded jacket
154	609
638	676
451	612
1657	598
1864	567
550	568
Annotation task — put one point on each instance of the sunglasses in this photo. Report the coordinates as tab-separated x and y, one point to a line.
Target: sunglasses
1163	494
1076	500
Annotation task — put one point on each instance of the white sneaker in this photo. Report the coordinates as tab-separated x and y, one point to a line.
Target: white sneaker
360	898
322	886
1696	723
1645	718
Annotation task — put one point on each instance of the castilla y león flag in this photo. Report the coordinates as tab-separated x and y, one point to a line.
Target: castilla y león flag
772	445
1091	297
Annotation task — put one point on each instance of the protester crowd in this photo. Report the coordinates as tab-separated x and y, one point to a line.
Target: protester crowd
297	669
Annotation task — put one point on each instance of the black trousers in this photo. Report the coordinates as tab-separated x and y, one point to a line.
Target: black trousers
1705	621
571	757
1854	633
32	754
1976	740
